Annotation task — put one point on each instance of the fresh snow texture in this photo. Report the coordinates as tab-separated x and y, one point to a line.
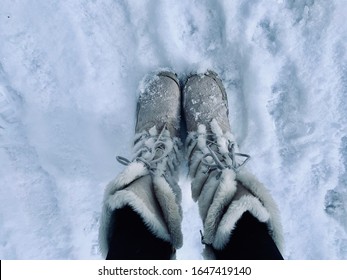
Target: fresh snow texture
69	77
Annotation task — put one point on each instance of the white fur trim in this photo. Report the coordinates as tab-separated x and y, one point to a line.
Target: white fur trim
118	201
164	223
212	201
171	210
250	182
202	138
132	172
221	140
233	214
222	197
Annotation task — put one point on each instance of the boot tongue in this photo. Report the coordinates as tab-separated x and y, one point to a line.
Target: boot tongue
222	151
156	149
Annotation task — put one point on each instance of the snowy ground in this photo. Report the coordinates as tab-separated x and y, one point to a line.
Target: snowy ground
69	72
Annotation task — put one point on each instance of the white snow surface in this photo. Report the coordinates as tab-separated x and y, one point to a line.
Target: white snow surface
69	76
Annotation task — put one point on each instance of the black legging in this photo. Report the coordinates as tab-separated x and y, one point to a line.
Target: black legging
250	240
132	240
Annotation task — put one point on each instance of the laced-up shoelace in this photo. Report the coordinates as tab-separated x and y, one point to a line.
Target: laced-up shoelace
219	164
149	155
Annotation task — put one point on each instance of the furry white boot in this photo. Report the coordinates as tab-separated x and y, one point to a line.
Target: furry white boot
223	188
149	182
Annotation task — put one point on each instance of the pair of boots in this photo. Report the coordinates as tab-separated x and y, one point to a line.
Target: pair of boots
141	215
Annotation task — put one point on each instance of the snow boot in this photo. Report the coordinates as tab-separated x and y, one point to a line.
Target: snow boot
223	188
148	185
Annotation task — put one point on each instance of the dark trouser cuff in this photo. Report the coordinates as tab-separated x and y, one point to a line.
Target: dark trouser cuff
250	240
131	239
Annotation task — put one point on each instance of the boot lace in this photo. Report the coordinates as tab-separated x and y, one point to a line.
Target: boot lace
215	160
150	155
